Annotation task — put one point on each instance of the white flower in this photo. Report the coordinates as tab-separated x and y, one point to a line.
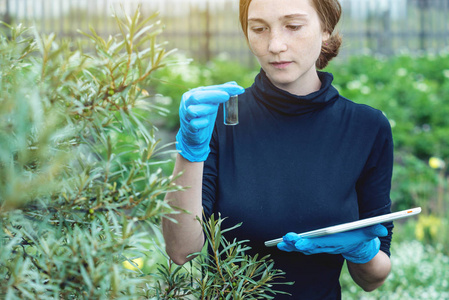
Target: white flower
364	78
401	72
365	90
421	86
446	73
354	85
163	100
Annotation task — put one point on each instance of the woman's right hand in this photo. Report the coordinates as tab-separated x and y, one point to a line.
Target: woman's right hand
197	114
358	246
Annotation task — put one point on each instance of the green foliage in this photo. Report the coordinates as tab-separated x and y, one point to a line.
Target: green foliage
225	271
75	199
229	272
414	182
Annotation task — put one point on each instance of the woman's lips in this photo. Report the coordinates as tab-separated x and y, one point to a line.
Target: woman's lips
280	64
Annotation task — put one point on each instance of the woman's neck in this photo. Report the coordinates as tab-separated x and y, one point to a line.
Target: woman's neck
308	83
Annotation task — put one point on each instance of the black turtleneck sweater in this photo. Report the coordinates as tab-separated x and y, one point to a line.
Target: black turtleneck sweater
295	164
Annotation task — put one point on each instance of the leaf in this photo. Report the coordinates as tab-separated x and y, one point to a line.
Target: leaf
87	279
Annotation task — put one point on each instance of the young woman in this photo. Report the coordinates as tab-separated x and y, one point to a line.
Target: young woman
302	157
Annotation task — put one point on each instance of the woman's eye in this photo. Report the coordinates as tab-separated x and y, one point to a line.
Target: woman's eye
258	29
294	27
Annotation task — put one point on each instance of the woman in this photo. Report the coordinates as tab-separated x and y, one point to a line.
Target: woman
302	157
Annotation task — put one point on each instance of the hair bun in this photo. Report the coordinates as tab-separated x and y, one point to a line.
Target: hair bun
329	50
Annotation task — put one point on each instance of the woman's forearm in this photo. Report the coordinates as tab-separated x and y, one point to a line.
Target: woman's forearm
186	235
371	275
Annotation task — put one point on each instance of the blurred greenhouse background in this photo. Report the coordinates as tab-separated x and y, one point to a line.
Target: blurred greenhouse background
207	28
395	57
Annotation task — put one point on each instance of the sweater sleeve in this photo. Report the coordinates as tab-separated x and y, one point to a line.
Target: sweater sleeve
374	184
210	172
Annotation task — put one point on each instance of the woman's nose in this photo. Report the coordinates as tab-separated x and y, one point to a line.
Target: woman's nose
277	43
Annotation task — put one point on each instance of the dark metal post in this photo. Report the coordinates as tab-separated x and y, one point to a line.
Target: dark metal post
386	36
369	30
7	17
43	17
53	17
207	33
190	27
423	6
61	18
25	10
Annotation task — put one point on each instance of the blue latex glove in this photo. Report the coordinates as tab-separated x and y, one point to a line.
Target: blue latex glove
197	114
358	246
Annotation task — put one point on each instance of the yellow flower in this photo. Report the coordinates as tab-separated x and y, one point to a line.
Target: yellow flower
419	232
137	261
436	163
434	230
427	227
144	92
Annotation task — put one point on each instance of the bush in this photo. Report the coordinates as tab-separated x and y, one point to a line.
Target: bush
223	271
75	199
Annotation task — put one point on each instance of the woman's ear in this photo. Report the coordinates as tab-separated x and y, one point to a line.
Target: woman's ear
326	36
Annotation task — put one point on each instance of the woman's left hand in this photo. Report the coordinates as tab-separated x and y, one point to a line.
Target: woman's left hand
358	246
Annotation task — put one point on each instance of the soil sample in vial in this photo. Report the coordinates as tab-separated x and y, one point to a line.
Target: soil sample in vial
231	111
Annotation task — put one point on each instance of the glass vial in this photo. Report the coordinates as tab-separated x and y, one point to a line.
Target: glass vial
231	111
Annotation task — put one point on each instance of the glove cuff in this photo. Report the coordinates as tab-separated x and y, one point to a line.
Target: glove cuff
191	153
364	253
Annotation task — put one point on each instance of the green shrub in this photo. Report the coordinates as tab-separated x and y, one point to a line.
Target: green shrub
221	271
75	200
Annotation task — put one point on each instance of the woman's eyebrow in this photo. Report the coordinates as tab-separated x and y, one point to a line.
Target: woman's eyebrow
291	16
294	16
256	20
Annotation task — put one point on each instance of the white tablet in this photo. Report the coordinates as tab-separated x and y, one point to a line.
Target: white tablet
353	225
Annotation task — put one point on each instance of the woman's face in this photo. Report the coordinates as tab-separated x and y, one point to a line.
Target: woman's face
286	37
